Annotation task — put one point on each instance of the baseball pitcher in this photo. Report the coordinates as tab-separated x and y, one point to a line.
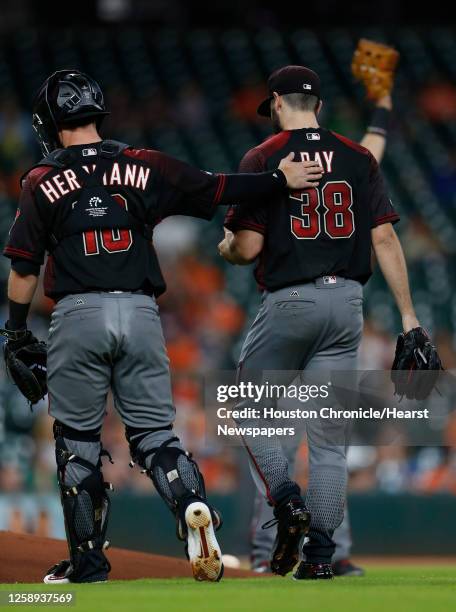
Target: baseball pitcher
314	258
368	65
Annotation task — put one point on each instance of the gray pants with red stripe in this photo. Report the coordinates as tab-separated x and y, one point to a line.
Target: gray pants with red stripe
262	540
104	341
101	342
314	328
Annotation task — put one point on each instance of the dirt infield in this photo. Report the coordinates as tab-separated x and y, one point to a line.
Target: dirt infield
25	558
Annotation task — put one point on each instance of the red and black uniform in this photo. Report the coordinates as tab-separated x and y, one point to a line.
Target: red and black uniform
322	231
144	186
316	256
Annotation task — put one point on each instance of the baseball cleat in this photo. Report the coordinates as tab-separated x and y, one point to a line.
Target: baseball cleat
263	567
313	571
203	550
293	522
59	573
344	567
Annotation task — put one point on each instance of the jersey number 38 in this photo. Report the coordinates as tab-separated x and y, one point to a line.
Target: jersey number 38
328	209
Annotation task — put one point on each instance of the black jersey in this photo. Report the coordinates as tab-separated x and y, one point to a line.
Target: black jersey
148	184
325	230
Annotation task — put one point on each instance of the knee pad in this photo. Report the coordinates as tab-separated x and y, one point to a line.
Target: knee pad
172	470
85	505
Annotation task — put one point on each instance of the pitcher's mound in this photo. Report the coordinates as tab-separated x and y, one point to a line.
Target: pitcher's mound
25	558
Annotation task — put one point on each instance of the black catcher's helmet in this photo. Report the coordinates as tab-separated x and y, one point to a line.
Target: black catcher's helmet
67	97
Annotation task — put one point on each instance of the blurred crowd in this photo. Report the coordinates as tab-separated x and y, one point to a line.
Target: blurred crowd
208	306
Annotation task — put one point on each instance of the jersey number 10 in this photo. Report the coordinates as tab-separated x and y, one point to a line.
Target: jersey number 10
336	215
112	240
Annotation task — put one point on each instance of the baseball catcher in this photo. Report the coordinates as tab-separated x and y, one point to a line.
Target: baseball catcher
92	205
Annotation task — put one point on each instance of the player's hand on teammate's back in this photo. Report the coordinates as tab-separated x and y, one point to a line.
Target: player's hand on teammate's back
300	175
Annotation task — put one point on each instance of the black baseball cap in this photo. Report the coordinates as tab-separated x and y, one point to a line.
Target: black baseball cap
290	79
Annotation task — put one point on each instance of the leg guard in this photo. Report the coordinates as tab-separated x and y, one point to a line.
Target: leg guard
84	501
174	473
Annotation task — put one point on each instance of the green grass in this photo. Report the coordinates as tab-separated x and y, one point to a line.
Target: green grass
391	589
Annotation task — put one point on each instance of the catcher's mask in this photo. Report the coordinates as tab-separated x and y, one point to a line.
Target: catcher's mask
66	98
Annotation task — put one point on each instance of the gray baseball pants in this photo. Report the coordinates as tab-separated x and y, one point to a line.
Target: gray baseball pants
98	342
109	340
312	328
262	540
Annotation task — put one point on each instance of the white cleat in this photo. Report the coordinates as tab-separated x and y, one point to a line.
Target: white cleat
203	550
59	573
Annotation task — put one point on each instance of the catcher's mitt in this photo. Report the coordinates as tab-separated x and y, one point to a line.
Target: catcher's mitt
25	359
416	365
374	64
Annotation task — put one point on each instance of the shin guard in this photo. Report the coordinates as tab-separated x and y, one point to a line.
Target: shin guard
85	505
176	477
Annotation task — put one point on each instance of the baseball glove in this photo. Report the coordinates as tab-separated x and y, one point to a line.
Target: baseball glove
374	64
416	365
25	359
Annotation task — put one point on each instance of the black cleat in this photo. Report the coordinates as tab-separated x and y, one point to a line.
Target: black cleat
63	573
345	567
293	522
313	571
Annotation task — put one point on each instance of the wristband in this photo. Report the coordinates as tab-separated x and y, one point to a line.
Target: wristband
17	316
280	176
380	122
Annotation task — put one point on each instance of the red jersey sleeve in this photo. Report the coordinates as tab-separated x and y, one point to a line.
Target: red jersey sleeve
27	236
381	207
